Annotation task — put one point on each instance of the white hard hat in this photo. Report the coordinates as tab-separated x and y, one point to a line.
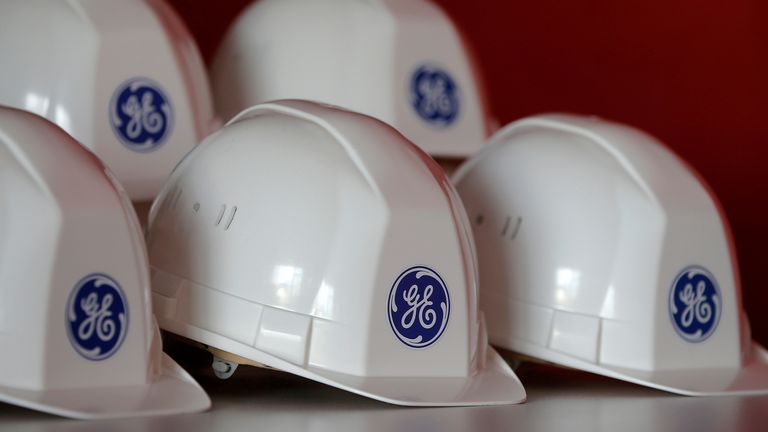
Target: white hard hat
76	326
321	242
123	77
401	61
599	249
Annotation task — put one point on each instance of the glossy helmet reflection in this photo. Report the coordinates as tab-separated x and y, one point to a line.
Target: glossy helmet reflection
123	77
600	249
321	242
401	61
75	320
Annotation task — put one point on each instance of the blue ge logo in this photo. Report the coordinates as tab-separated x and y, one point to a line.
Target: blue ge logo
695	304
434	95
97	317
141	115
418	307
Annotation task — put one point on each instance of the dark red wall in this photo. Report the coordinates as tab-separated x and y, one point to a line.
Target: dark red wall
693	73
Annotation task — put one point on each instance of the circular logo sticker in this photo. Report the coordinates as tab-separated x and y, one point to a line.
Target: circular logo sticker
434	96
695	304
97	317
141	115
419	307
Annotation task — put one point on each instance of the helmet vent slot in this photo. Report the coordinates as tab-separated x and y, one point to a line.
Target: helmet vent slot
506	226
515	228
230	216
221	214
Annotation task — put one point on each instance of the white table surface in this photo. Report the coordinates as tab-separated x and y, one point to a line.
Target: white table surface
558	400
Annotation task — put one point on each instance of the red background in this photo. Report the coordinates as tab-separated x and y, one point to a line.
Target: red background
690	72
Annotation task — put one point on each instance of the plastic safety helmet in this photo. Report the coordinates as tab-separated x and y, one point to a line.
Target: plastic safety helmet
75	320
599	249
400	61
321	242
124	77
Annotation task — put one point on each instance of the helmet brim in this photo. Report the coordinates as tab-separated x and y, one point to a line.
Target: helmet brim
750	379
172	392
493	384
